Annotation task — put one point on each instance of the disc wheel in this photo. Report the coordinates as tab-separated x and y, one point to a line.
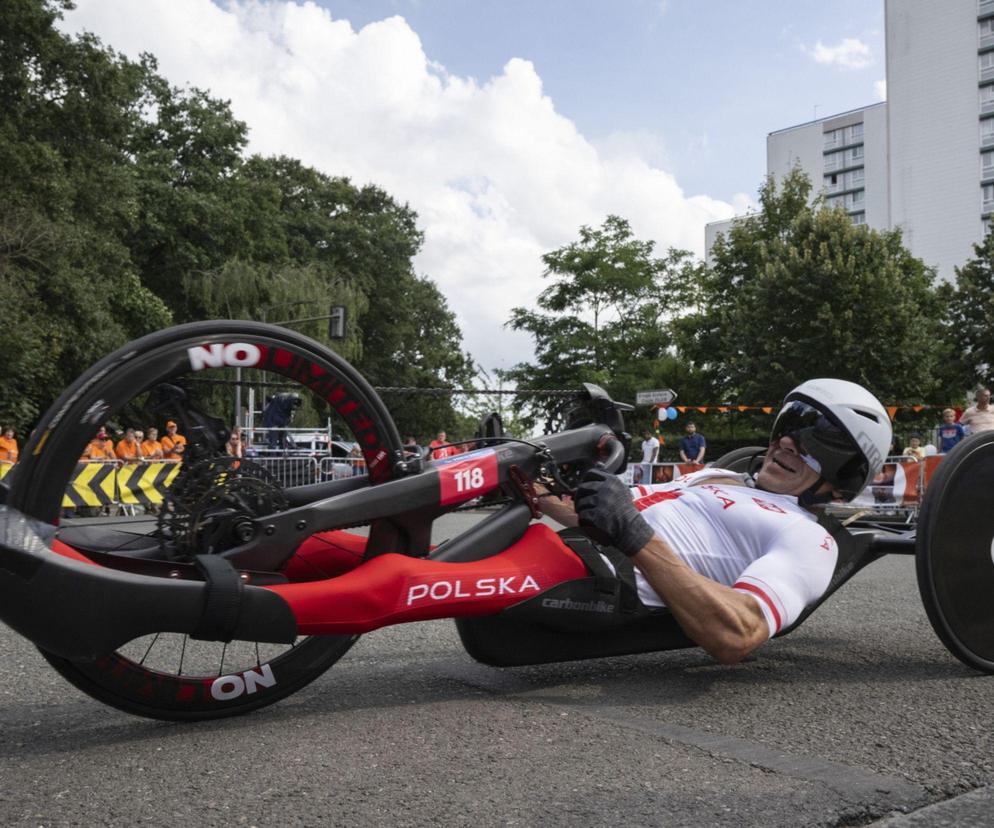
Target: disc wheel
955	551
171	676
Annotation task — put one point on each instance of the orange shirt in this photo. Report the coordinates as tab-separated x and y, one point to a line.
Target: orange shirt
99	450
128	450
169	446
152	449
8	449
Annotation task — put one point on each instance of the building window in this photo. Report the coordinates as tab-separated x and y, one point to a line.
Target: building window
837	201
859	218
985	32
987	132
987	164
856	132
987	198
856	178
857	153
832	138
987	97
987	66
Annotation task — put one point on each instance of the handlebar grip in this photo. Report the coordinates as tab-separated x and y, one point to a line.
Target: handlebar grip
615	458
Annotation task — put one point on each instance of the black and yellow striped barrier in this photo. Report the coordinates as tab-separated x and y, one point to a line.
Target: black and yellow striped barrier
105	484
145	484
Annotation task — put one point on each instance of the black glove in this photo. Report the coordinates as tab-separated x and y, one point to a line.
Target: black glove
607	514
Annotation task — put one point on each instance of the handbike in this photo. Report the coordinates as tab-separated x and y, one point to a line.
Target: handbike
242	590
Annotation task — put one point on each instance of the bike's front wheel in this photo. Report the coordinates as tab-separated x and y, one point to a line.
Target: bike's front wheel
192	375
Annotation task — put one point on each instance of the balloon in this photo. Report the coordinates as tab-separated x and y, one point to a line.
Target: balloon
671	413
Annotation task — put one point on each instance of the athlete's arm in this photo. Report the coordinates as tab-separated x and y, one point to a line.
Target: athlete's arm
555	508
727	624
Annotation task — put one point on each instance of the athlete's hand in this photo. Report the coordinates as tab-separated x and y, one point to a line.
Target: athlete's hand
607	514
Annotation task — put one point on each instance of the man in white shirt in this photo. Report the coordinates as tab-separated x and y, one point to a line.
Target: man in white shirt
980	415
735	563
650	447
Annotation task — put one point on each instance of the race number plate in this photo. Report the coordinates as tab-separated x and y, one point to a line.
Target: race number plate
466	476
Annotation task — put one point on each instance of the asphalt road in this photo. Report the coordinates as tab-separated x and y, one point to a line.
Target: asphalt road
859	715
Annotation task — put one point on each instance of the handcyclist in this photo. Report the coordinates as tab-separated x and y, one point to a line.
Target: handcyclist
737	559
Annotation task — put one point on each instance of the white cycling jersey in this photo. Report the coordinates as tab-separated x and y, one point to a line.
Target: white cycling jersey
762	544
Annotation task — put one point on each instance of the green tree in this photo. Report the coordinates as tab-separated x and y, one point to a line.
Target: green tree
602	319
67	197
969	314
797	291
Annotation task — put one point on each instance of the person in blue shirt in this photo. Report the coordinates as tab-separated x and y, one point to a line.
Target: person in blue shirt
692	446
950	432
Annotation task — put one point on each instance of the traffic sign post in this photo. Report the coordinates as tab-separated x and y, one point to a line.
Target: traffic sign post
662	396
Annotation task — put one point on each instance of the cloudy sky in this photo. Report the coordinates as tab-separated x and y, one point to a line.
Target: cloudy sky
507	124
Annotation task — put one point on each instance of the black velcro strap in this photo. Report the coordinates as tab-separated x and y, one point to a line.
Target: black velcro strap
621	580
222	599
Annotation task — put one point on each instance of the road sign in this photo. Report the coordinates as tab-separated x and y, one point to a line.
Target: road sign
663	396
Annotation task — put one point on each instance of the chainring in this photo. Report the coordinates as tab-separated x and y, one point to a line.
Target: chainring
211	506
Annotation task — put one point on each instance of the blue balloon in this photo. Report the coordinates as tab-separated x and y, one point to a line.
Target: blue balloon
671	413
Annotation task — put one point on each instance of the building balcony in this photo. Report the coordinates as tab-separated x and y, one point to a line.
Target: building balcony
986	107
986	73
985	8
986	41
986	141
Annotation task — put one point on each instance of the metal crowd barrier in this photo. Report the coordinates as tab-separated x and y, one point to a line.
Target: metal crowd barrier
336	468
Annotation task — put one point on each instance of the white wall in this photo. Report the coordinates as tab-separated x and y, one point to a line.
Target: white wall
932	74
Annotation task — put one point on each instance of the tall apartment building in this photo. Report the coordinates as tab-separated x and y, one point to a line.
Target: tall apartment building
924	160
940	68
845	156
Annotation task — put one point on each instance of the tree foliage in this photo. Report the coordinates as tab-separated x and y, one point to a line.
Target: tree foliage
797	291
127	204
602	319
970	311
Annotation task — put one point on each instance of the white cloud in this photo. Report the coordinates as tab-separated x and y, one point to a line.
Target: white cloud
850	53
496	174
880	89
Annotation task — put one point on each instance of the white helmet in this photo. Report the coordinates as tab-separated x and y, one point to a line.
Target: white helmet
843	431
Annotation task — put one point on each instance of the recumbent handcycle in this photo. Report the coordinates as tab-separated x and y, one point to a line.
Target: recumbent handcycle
241	590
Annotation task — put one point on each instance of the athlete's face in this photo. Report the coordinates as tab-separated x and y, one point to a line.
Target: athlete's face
783	471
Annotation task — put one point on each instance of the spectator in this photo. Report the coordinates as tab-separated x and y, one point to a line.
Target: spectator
650	447
357	461
173	444
693	446
411	448
234	446
8	445
950	432
441	448
151	447
915	448
980	415
100	448
129	448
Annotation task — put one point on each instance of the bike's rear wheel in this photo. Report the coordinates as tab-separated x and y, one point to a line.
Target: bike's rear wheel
171	676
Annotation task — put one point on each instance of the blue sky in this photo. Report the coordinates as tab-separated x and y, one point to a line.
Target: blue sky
507	124
709	80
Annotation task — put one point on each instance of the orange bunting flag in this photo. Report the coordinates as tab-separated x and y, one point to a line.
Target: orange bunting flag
743	408
891	411
917	408
703	409
723	409
682	409
767	409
